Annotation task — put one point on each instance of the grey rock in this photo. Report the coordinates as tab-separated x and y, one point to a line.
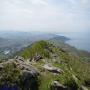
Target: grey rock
57	86
53	69
28	74
19	58
1	66
22	65
83	88
37	57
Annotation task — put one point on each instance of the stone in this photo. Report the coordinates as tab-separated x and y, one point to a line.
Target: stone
28	74
52	69
57	86
83	88
1	67
19	58
37	57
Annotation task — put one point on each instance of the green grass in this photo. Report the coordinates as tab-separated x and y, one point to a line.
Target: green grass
64	60
10	74
38	48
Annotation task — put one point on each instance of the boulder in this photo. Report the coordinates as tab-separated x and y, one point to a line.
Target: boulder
22	65
1	66
30	80
27	75
83	88
57	86
19	58
52	69
37	57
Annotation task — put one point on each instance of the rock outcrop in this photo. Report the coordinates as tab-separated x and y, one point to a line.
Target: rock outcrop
26	76
57	86
37	58
83	87
53	69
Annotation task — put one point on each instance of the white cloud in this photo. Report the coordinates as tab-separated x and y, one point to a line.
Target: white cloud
72	1
43	2
84	1
44	14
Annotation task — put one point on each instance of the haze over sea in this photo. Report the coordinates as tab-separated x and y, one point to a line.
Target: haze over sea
49	16
80	40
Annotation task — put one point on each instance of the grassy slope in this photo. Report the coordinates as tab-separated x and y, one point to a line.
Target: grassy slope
71	64
36	48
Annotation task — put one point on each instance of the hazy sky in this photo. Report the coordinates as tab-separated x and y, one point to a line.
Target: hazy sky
41	15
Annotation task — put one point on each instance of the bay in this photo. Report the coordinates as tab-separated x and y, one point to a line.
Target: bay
80	40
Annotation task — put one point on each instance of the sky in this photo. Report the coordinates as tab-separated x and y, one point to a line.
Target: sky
45	15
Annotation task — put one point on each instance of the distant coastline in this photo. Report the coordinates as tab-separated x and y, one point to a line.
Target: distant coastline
79	41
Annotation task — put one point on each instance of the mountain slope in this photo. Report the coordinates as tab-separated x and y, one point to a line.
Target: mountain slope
36	48
74	76
45	66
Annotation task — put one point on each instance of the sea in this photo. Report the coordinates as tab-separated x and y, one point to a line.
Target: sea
80	40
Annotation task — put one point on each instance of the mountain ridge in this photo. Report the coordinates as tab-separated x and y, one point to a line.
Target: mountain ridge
72	65
57	67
